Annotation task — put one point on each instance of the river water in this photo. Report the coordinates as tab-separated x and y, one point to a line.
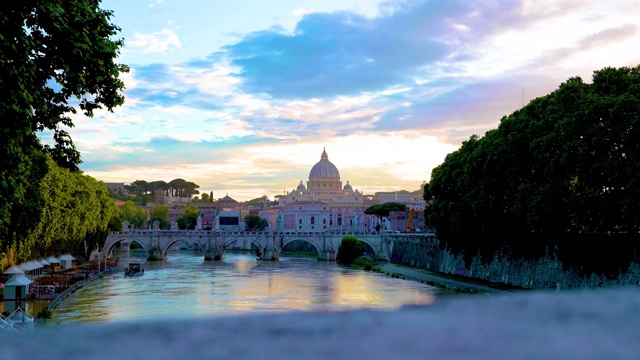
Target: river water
186	286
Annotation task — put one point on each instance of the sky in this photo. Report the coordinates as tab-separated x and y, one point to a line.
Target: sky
241	97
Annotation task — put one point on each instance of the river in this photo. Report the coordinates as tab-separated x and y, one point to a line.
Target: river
186	286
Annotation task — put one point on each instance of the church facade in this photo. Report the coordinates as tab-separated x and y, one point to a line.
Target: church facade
324	204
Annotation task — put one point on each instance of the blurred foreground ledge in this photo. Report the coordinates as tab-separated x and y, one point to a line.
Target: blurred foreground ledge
590	324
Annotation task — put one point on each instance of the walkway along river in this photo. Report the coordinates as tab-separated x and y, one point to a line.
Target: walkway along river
185	286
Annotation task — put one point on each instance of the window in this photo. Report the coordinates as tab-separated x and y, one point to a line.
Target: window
313	221
299	221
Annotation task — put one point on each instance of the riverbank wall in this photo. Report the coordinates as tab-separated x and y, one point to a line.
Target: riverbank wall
544	273
63	295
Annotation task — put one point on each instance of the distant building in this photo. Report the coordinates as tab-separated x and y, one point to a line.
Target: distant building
116	187
228	221
400	220
271	215
159	196
304	216
226	204
345	205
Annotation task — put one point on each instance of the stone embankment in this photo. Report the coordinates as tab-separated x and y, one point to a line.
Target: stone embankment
545	273
432	277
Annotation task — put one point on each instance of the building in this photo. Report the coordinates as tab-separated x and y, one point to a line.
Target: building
400	220
304	216
116	187
324	189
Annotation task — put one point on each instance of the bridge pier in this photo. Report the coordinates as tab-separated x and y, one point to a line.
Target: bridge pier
155	254
213	248
213	254
273	247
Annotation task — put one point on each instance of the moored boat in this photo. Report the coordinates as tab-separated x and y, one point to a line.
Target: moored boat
134	269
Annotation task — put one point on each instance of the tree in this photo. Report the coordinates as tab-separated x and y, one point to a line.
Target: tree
176	186
190	218
55	58
189	189
383	210
350	249
255	223
133	214
560	175
160	213
77	209
204	197
157	185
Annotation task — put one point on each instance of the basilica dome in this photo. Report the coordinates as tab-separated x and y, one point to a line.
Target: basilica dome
324	169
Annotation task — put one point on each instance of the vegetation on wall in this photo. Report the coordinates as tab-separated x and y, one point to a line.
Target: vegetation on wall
559	176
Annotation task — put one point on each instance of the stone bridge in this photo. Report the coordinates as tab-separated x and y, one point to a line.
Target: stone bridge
213	243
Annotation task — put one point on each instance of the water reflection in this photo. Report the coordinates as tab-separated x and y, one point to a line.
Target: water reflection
187	286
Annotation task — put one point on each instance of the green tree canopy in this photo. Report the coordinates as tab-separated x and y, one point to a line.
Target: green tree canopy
160	213
561	174
176	186
77	209
190	218
383	210
55	58
133	214
350	249
255	223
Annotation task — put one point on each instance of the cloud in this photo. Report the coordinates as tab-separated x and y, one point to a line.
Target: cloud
609	35
158	2
343	53
158	42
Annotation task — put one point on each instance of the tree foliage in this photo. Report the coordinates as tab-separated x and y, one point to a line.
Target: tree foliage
55	58
190	218
133	214
383	210
255	223
350	249
160	213
77	209
561	173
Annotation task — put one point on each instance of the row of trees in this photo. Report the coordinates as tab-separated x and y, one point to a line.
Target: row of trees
56	59
176	187
75	215
561	175
136	217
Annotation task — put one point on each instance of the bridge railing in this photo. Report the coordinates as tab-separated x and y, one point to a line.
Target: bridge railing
288	234
208	232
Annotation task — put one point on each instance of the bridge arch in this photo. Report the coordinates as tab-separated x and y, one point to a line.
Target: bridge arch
313	243
174	241
114	241
234	240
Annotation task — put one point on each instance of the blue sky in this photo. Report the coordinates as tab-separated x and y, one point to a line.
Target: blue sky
241	97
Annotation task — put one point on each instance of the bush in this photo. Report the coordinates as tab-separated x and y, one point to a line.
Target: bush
349	250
